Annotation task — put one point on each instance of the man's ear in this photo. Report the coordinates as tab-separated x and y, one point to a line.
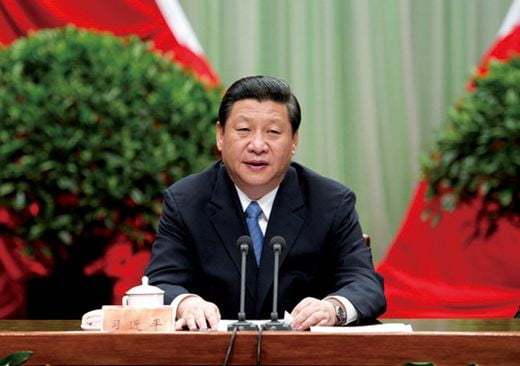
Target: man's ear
219	135
295	139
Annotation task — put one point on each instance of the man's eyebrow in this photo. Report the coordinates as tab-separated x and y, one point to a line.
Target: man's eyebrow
243	117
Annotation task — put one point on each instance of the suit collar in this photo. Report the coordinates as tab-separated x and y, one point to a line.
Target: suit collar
228	221
226	214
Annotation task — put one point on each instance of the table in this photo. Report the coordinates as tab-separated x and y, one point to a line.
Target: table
443	341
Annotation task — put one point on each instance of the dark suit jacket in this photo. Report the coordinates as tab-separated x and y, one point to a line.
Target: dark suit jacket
195	249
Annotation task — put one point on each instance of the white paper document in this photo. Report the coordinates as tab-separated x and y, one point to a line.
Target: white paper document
376	328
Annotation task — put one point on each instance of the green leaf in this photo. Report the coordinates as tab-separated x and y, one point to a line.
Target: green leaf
426	214
35	231
137	196
47	165
65	237
485	187
511	97
448	202
16	358
6	188
505	197
19	201
436	219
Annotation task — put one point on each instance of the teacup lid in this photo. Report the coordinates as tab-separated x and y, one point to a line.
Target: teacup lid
144	289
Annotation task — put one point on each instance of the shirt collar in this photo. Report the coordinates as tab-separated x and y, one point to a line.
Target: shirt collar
266	202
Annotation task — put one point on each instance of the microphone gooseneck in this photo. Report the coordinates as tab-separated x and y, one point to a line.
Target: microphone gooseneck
277	243
243	244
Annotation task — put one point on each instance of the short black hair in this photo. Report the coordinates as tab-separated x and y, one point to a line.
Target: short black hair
261	88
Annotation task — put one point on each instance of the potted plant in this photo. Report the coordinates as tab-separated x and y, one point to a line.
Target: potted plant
93	128
477	152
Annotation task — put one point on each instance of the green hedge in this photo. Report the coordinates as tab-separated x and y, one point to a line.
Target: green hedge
477	152
93	128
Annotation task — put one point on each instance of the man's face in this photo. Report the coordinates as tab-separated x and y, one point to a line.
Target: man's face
257	144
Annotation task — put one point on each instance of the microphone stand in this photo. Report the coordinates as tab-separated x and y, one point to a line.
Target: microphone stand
277	244
243	243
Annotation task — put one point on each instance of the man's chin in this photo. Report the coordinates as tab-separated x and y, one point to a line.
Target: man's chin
256	189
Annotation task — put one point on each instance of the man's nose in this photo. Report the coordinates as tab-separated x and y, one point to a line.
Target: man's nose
257	143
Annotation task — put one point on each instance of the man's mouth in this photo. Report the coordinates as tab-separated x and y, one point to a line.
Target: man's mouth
256	164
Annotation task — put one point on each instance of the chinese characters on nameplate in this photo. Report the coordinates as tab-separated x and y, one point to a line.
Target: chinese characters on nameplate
133	319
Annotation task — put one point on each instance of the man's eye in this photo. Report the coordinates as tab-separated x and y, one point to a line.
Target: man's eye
243	129
274	132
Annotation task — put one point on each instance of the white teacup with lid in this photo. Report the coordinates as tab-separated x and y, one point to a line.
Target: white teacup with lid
144	296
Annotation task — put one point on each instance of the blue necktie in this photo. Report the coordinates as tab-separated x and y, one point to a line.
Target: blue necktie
253	211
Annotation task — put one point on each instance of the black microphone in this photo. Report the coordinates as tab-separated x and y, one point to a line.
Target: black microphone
243	244
277	243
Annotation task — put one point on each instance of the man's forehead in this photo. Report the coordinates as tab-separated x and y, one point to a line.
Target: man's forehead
248	108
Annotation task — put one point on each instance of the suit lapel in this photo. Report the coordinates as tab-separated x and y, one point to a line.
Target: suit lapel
286	220
229	223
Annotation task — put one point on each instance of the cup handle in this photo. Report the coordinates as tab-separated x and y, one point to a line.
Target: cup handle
125	301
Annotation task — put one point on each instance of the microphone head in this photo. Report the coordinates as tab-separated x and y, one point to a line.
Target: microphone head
244	243
277	243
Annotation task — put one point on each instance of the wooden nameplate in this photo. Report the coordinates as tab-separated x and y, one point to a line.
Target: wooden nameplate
134	319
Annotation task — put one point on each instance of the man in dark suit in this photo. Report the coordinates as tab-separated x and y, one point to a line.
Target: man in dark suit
326	272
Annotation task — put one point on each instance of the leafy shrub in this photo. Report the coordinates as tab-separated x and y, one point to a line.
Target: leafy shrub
478	150
92	129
